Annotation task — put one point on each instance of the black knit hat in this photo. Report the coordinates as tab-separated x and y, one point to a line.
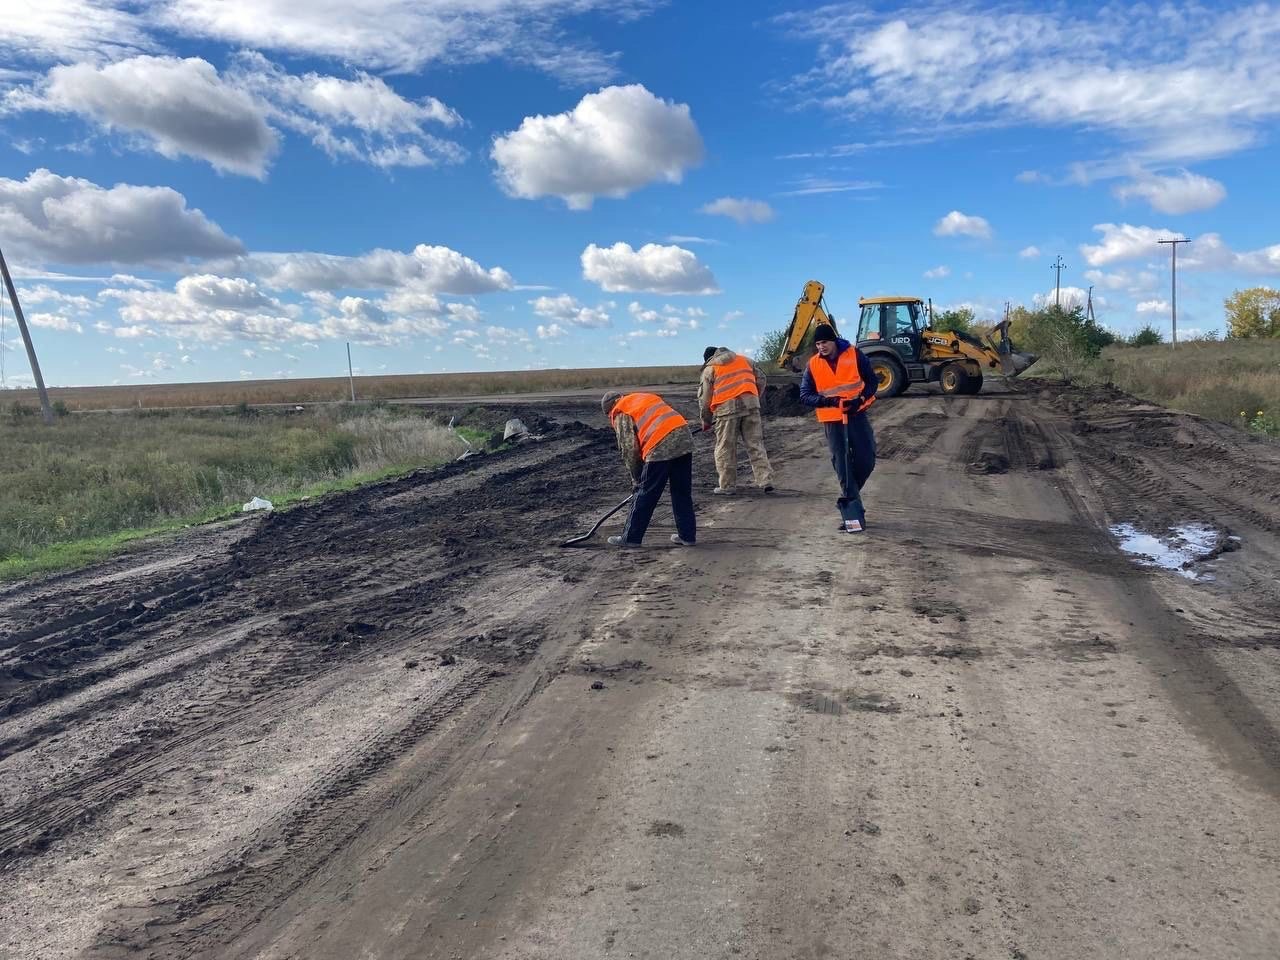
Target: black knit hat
825	331
708	353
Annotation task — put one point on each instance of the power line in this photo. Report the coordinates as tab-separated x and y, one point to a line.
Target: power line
1058	265
1173	283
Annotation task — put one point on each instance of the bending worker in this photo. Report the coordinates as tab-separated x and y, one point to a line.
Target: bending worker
729	393
656	449
840	385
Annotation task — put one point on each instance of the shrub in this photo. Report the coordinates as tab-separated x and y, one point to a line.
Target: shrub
959	319
1148	336
771	346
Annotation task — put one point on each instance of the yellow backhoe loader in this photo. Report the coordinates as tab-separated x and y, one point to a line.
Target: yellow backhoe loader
903	348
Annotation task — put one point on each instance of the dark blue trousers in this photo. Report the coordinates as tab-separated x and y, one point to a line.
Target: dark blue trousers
653	480
853	454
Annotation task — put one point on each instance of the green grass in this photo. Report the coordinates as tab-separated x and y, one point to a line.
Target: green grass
1233	381
89	485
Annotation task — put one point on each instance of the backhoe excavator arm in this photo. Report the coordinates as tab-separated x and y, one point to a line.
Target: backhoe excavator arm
808	314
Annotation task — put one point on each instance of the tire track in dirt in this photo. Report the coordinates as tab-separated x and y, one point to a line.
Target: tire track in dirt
321	585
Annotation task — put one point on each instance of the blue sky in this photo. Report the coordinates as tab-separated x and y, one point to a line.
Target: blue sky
223	189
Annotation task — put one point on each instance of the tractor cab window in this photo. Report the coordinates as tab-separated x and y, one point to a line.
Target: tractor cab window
869	322
905	318
902	322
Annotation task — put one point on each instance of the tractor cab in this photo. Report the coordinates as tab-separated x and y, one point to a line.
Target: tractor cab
896	322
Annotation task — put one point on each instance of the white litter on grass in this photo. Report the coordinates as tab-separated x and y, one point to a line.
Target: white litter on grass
257	503
1177	549
470	451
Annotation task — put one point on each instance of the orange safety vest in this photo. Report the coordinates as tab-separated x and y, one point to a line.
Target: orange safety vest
733	379
844	382
654	419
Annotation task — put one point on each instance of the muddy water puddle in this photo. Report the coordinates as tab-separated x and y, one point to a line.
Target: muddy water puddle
1179	548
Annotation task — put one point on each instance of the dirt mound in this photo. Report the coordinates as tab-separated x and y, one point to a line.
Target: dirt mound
783	401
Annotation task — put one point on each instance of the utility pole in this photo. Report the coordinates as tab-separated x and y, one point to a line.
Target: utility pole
1089	309
1173	283
350	378
1057	265
45	410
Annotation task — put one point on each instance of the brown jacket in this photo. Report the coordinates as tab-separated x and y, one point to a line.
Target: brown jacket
675	444
738	406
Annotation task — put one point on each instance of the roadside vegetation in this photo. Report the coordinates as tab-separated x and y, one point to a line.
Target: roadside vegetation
78	490
1234	380
149	396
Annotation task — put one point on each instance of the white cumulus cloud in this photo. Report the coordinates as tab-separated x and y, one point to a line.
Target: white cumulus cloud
957	224
566	309
72	220
1028	253
1153	306
550	331
937	273
55	321
1123	241
427	269
185	107
1184	192
180	107
612	143
651	269
742	209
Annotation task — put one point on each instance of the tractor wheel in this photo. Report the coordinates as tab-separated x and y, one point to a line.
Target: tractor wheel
891	379
975	384
955	379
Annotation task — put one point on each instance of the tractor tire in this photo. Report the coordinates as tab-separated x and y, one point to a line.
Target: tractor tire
891	378
955	380
975	384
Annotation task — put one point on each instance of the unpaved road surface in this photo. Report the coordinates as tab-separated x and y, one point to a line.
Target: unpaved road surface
402	723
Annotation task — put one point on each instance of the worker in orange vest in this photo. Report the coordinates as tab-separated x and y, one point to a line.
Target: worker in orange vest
840	385
657	449
729	393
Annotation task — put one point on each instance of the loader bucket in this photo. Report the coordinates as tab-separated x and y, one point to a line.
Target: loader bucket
1013	363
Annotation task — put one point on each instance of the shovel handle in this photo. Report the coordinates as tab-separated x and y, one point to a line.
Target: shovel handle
592	532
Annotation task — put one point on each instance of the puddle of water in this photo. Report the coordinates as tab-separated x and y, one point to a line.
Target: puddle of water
1176	549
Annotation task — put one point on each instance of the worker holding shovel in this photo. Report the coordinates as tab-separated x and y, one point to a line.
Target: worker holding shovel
840	385
656	449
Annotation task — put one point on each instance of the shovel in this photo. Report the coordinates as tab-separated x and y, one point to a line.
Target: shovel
574	541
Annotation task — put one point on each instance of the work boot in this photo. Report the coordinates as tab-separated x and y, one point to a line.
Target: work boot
680	541
726	491
621	542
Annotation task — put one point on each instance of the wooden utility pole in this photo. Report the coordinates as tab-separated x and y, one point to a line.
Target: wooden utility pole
1089	309
45	410
1173	283
350	377
1057	265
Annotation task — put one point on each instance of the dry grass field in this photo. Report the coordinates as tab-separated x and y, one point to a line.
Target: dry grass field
151	396
1218	380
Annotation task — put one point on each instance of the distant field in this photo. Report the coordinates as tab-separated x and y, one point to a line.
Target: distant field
1215	380
158	395
77	490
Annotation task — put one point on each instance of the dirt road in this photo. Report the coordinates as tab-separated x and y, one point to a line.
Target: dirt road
401	723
